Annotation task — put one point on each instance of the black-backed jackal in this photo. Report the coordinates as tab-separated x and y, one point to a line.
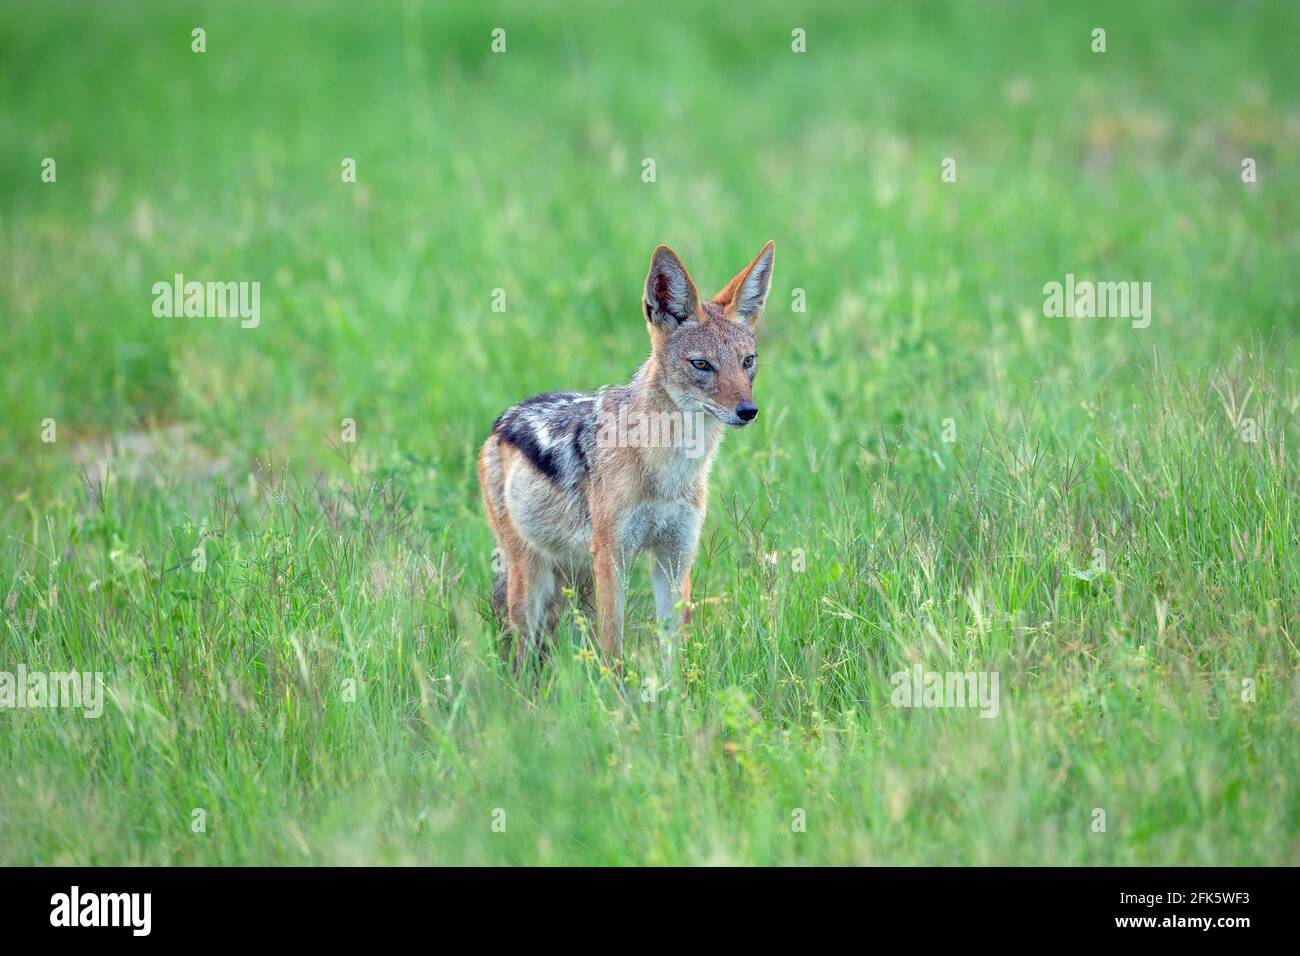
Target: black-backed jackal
578	484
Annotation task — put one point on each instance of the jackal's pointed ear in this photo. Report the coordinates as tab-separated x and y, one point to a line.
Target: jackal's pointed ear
743	298
671	300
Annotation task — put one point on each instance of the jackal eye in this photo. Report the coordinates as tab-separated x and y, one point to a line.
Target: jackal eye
702	365
748	361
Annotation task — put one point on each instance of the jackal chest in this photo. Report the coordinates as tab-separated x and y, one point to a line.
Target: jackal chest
670	515
660	525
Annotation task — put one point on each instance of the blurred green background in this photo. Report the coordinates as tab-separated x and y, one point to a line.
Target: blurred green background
522	171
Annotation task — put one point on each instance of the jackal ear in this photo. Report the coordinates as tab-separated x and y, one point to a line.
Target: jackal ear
743	298
671	300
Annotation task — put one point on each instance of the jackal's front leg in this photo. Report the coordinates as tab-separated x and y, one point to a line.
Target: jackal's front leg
608	570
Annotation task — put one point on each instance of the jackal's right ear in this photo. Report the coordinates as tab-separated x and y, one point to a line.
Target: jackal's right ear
744	296
671	300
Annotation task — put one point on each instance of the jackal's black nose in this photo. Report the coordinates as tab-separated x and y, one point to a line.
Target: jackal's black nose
746	411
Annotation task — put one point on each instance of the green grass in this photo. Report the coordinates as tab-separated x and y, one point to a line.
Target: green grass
1078	441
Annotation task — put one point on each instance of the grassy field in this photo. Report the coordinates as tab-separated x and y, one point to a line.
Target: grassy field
943	477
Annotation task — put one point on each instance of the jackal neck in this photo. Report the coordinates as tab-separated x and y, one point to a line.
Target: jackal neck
676	441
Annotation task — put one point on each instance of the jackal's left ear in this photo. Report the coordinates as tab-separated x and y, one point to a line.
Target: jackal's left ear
745	295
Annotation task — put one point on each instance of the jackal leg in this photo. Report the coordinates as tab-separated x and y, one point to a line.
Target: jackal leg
671	576
608	569
537	604
530	589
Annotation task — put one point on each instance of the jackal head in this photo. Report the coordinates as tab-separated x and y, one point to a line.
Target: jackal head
706	350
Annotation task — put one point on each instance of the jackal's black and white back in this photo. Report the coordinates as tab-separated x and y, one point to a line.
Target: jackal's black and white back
555	431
